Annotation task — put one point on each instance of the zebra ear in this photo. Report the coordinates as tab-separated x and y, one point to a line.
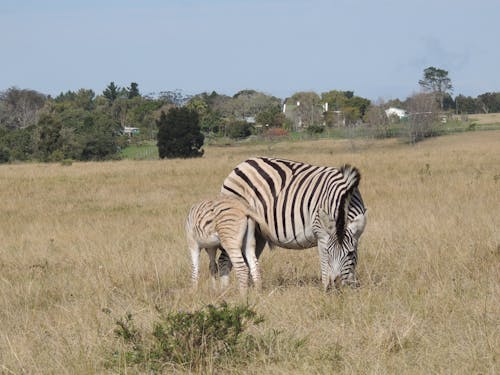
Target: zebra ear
357	225
326	222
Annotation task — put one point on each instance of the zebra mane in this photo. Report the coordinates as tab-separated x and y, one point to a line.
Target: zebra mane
351	179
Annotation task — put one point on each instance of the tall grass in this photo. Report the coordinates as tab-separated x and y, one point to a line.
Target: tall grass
84	245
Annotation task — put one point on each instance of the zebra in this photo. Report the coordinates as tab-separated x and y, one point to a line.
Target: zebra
304	206
229	223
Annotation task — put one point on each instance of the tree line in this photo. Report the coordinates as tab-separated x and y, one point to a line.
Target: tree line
83	125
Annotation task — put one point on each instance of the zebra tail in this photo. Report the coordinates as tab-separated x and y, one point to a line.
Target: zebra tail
352	177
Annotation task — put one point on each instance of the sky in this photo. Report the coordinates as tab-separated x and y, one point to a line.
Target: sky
378	49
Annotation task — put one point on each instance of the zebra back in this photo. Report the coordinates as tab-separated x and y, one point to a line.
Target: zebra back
205	216
287	195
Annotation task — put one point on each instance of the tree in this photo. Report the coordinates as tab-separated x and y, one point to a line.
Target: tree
85	99
378	121
142	114
308	110
238	129
179	134
353	107
20	108
16	144
361	105
133	90
422	117
101	139
466	104
119	110
249	103
272	117
489	102
111	92
351	115
448	102
48	136
244	104
211	109
336	99
436	81
176	97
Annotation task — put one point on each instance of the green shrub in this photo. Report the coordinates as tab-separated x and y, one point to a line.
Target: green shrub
4	154
238	129
57	155
66	162
192	340
315	129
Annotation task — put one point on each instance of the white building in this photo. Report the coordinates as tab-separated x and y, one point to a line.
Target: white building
128	130
393	111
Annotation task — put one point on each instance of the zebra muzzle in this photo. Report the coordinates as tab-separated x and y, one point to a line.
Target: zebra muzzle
337	281
351	281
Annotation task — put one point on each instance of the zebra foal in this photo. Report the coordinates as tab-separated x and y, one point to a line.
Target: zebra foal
228	223
303	206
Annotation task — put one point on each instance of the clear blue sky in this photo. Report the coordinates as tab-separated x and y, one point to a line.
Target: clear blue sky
378	49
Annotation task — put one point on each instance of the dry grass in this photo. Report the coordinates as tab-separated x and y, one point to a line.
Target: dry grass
81	245
485	118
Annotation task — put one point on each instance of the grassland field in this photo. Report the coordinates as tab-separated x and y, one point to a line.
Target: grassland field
82	245
485	118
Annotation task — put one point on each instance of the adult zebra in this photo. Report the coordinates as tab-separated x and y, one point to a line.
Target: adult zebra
303	205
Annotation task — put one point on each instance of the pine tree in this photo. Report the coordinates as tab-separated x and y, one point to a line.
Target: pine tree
179	134
133	90
111	92
437	81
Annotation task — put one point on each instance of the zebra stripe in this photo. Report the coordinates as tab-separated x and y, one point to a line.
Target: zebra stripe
228	223
289	197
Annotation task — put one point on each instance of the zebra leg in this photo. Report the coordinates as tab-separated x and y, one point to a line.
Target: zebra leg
260	243
195	263
232	239
225	267
325	272
250	248
225	264
240	267
212	266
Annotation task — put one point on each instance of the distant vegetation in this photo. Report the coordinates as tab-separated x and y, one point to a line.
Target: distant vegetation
83	125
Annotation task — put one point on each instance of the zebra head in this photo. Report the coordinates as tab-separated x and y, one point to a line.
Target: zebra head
340	248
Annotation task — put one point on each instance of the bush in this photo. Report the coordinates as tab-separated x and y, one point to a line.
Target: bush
100	139
315	129
238	129
57	155
4	155
190	339
48	136
179	134
423	117
15	144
